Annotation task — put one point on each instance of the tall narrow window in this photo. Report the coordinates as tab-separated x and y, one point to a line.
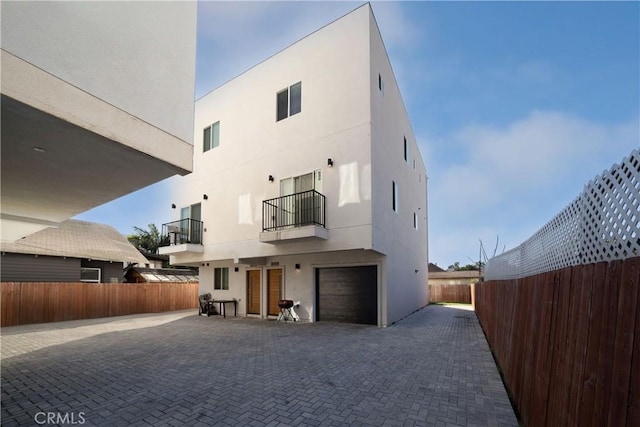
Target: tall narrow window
415	220
289	101
406	150
283	104
380	84
395	197
295	102
221	278
211	137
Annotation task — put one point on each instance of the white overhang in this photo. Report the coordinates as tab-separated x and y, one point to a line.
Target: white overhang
65	151
297	233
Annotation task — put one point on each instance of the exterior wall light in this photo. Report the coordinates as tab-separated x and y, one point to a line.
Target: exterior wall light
297	266
173	205
205	197
270	178
329	162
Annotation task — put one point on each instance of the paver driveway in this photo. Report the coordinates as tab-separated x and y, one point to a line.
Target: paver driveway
432	368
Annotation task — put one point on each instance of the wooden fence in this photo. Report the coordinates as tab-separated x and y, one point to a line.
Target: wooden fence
568	343
450	293
24	303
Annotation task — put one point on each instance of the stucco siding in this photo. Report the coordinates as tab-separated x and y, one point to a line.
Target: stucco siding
401	234
345	117
145	63
298	285
334	123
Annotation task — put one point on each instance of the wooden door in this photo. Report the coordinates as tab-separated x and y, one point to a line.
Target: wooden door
253	292
274	290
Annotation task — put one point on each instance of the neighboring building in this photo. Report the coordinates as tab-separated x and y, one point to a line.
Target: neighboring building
308	185
433	268
463	277
97	102
75	251
136	274
155	260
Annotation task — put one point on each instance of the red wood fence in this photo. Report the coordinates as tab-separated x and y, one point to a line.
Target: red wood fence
568	343
450	293
24	303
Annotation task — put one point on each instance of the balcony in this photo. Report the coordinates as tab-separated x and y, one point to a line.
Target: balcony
182	236
296	216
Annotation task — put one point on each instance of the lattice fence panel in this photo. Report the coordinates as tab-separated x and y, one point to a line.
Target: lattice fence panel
601	224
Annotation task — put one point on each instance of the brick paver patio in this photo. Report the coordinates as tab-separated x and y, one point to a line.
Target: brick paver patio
433	368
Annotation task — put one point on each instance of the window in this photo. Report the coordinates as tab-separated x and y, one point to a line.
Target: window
91	275
380	84
289	101
406	151
415	220
395	197
301	183
221	278
211	138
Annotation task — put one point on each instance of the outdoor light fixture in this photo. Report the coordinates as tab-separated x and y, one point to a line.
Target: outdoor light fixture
270	178
236	269
173	205
329	162
204	196
297	266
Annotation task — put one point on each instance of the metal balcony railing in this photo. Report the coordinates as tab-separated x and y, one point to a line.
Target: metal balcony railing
294	210
182	231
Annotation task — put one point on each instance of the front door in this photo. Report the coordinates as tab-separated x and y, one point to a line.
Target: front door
274	290
253	292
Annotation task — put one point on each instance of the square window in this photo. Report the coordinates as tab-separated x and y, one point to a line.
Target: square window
221	278
211	137
289	101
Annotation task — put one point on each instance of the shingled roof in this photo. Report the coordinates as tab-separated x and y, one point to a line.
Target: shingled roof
78	239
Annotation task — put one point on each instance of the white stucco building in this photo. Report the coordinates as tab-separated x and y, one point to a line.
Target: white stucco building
97	102
308	185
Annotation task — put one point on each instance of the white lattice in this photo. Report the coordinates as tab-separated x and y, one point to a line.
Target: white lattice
602	224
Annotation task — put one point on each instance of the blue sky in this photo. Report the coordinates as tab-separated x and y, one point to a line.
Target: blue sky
515	105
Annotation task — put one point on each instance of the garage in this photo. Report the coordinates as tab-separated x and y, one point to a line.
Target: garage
347	294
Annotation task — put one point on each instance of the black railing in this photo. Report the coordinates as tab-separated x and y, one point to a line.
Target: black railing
295	210
182	231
